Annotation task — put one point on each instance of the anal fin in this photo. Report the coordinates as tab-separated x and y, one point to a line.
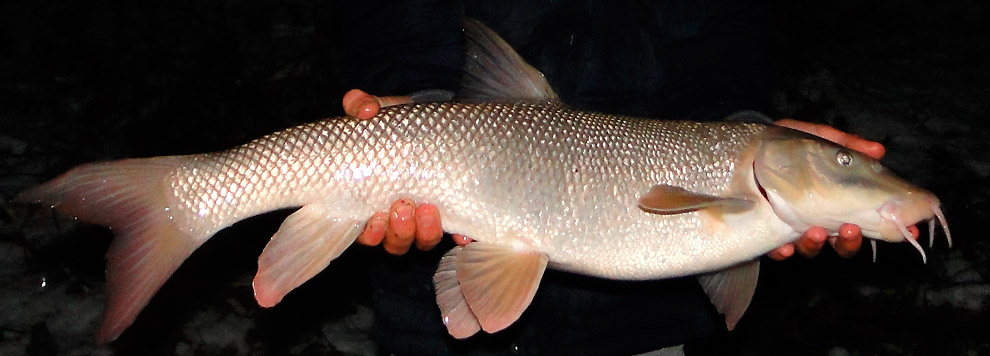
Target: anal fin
303	246
731	290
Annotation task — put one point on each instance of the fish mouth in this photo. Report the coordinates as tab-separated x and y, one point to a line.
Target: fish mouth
902	214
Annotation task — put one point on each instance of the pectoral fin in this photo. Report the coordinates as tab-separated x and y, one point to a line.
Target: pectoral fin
497	284
668	199
731	290
303	246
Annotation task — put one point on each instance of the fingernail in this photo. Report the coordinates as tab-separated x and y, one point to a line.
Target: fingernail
425	219
462	240
404	212
377	221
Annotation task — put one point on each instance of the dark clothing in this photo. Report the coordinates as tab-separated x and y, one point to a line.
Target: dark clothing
696	60
570	314
692	60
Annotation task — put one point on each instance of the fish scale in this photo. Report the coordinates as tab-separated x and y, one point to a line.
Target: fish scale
537	173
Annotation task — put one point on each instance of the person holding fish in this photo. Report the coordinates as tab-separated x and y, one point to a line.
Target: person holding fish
638	233
407	224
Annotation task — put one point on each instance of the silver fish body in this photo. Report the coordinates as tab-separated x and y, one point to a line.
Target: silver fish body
561	181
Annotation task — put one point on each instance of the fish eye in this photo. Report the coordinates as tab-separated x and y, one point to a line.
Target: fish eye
843	158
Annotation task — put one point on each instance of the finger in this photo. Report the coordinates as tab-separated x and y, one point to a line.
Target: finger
359	104
914	231
462	240
811	243
374	231
428	228
849	241
401	227
362	105
853	142
870	148
781	253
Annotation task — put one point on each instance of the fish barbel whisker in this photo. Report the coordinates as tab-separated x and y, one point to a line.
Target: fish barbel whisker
931	232
873	246
941	220
904	232
910	239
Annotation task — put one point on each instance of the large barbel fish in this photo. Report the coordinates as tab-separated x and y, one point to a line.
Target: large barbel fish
537	184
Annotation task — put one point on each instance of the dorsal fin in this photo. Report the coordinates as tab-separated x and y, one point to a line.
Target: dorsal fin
494	71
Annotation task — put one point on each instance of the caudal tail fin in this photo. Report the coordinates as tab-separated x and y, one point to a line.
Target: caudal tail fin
129	197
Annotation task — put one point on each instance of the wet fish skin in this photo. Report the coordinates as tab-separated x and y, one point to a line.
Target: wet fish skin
539	174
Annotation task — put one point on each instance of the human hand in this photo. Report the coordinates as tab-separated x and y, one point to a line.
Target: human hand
850	237
405	223
364	106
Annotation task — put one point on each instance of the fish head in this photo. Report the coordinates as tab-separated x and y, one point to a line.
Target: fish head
812	182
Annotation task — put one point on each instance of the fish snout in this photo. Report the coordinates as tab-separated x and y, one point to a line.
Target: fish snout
898	214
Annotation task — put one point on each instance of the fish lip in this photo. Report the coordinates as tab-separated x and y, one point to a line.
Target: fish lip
909	212
889	216
927	208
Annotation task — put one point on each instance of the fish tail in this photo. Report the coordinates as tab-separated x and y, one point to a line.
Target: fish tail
129	196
